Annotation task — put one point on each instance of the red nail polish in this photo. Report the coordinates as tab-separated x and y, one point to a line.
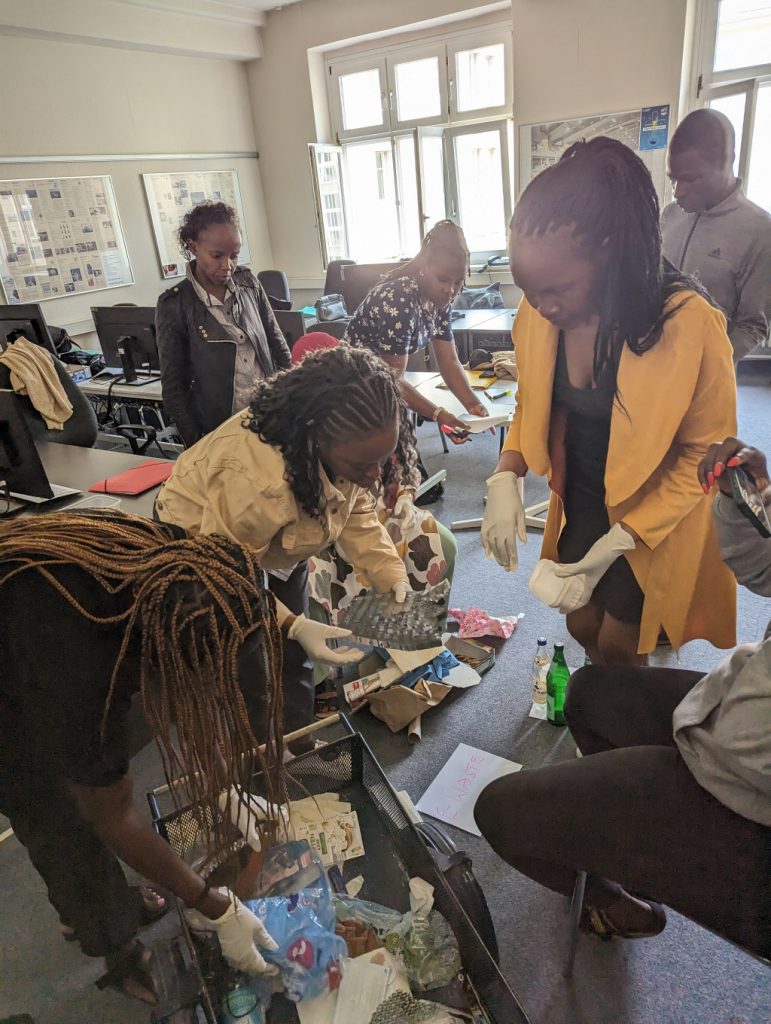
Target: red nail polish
733	462
711	479
719	467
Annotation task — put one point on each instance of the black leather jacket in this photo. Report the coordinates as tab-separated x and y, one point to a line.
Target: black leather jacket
197	376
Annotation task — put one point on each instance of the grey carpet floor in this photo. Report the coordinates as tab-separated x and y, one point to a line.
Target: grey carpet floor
684	976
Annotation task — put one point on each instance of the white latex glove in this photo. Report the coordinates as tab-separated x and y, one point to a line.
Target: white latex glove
240	932
504	519
312	637
400	591
245	818
567	594
404	509
600	556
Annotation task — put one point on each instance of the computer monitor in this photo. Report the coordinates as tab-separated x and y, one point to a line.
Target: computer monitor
27	320
21	471
127	337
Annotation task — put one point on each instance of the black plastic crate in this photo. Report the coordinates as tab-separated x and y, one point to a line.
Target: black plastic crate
395	852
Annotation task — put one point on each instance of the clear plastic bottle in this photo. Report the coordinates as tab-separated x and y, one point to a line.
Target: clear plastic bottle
540	669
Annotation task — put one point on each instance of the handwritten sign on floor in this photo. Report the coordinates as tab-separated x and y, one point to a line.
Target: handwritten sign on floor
453	793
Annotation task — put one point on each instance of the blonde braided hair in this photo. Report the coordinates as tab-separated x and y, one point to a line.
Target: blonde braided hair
194	602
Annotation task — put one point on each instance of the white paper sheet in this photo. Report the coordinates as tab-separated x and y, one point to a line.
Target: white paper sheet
408	660
478	424
453	793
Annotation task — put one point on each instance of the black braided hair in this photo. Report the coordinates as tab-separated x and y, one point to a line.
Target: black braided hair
444	240
335	395
202	217
605	192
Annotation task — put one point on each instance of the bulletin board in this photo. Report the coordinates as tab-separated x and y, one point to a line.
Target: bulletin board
645	131
59	237
170	196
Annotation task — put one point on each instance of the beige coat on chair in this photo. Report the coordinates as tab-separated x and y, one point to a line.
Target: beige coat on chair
676	399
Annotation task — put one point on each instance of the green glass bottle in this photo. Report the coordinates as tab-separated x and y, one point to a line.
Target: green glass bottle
557	680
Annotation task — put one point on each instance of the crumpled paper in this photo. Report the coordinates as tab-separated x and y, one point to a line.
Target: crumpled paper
476	622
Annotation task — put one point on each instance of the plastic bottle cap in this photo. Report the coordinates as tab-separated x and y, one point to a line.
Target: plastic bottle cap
541	641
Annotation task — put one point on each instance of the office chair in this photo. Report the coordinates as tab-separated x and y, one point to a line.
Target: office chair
333	285
277	288
334	327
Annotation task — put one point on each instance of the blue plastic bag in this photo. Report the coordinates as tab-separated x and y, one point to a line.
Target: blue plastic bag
309	953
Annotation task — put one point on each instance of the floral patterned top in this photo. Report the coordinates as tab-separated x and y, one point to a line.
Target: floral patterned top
394	320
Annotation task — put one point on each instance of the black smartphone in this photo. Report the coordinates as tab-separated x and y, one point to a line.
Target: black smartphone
749	501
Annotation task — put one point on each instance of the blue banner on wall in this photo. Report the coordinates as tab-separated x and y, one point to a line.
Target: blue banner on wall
654	127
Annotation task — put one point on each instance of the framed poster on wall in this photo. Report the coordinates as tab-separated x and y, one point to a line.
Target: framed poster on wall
170	196
59	237
541	145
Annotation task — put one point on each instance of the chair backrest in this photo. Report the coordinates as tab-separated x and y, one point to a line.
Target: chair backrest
334	327
275	284
334	281
358	279
292	324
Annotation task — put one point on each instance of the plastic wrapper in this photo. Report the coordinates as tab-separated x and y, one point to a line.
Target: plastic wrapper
309	952
421	939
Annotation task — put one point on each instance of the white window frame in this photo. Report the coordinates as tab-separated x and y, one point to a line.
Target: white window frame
503	129
350	66
708	85
404	56
313	149
449	121
468	41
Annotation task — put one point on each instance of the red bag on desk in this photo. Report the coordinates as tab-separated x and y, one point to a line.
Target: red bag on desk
135	481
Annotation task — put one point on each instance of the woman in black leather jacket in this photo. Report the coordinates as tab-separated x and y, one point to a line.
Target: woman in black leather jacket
216	332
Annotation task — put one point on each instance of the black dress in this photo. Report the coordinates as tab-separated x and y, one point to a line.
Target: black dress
586	449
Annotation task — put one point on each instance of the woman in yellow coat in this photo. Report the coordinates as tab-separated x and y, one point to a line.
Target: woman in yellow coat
625	378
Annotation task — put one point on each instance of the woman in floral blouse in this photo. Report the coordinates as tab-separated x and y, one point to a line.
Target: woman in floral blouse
410	309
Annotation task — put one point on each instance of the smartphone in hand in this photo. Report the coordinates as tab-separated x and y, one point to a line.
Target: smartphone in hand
748	500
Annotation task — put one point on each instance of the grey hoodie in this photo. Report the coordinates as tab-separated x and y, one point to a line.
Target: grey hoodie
728	249
723	726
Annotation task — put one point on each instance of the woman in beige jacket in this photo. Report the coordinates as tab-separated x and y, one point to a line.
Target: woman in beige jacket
291	475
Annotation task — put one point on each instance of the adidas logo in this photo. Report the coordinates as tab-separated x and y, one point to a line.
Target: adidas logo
715	253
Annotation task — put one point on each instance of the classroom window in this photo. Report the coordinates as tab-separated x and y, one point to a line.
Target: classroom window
734	76
420	139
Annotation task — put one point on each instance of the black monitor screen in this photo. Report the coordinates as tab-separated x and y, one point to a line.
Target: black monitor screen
137	323
24	320
20	465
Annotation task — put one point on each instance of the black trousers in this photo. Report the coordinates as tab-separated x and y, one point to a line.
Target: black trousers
85	881
298	668
632	812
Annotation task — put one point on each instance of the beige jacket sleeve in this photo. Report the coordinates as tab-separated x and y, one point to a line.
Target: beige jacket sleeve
365	543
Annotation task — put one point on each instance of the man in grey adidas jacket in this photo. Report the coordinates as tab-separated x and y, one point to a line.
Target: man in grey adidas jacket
714	232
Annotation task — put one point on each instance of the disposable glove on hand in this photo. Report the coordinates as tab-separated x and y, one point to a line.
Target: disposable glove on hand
600	556
400	591
504	519
404	509
566	594
245	811
240	932
312	637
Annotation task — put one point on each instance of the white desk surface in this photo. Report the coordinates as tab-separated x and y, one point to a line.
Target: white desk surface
71	466
150	392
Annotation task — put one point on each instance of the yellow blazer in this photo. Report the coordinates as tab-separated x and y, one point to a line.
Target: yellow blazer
676	399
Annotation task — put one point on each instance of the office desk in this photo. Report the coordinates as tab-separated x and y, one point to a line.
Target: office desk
130	405
81	467
147	394
426	384
482	328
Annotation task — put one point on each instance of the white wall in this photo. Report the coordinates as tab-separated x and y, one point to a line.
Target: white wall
579	57
280	90
73	100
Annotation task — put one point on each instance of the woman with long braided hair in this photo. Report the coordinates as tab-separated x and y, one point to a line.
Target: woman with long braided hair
130	606
289	478
625	378
410	309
